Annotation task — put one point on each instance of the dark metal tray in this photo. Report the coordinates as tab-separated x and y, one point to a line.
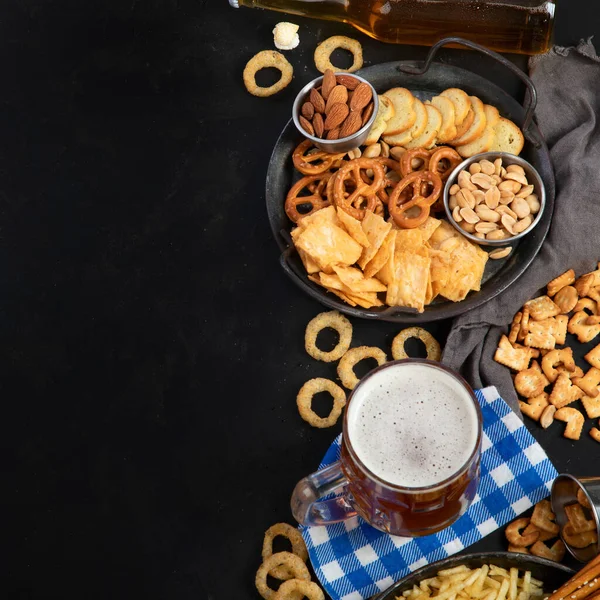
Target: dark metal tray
425	80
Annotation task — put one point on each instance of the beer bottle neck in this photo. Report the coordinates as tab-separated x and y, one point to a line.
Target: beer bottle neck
324	9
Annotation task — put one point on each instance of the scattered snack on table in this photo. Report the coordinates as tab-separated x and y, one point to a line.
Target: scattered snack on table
298	547
529	535
325	49
488	582
285	36
345	368
542	325
305	397
493	202
432	346
335	321
595	434
294	563
263	60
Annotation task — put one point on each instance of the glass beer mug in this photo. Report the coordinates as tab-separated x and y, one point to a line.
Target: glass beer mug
410	453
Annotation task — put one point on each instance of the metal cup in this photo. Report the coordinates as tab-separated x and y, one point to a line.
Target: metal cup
564	492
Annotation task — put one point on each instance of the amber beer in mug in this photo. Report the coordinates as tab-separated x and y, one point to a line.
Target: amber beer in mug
410	451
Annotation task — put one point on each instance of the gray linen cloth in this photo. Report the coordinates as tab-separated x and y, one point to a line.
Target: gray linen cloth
568	114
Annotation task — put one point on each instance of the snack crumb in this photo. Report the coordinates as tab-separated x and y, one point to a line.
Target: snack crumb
285	36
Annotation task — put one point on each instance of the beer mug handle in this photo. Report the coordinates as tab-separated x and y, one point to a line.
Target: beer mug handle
307	509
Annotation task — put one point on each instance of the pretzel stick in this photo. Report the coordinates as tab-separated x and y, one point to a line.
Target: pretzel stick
590	572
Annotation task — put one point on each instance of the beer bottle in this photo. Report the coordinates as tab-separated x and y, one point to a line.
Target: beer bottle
521	26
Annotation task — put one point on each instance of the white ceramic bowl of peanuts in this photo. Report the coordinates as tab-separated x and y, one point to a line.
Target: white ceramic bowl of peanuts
494	199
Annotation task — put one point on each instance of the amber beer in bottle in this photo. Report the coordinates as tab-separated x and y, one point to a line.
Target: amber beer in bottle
410	453
522	26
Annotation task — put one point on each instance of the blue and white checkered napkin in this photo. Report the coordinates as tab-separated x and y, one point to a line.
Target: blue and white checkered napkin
354	561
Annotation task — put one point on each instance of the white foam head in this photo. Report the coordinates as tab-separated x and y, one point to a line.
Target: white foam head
412	425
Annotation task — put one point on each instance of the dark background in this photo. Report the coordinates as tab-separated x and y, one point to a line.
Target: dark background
150	346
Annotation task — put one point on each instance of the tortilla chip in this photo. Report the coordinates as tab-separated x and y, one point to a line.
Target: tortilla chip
376	229
355	282
353	227
309	264
365	299
409	240
429	227
409	286
324	215
382	256
386	273
328	245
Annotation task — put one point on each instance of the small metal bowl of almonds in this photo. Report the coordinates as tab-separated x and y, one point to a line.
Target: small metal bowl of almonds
494	199
336	111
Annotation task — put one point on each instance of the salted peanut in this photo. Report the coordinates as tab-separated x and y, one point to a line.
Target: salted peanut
372	151
534	407
492	197
553	359
484	227
487	167
574	420
508	223
456	214
487	214
564	392
396	152
479	196
522	225
461	199
544	518
469	215
502	172
499	234
498	166
464	180
589	382
510	186
520	208
547	417
452	202
516	176
496	179
525	191
506	197
557	284
534	203
354	154
385	149
468	227
468	195
454	189
479	235
505	210
500	252
530	382
515	169
514	536
485	182
474	168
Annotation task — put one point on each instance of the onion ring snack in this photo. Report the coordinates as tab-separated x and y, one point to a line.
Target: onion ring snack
434	351
294	588
347	363
304	402
298	547
335	321
263	60
294	563
326	48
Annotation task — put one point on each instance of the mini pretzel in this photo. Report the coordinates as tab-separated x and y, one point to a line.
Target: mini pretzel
416	181
441	157
543	517
392	176
354	203
317	200
409	161
574	420
303	159
554	358
514	536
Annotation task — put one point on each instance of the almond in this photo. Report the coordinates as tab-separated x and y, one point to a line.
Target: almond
351	125
307	110
337	115
318	125
338	94
317	101
367	113
347	81
329	82
306	125
334	134
361	97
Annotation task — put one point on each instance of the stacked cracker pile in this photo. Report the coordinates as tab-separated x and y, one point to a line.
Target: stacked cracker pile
539	330
453	118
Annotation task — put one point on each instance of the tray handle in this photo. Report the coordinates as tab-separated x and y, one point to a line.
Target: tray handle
530	97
